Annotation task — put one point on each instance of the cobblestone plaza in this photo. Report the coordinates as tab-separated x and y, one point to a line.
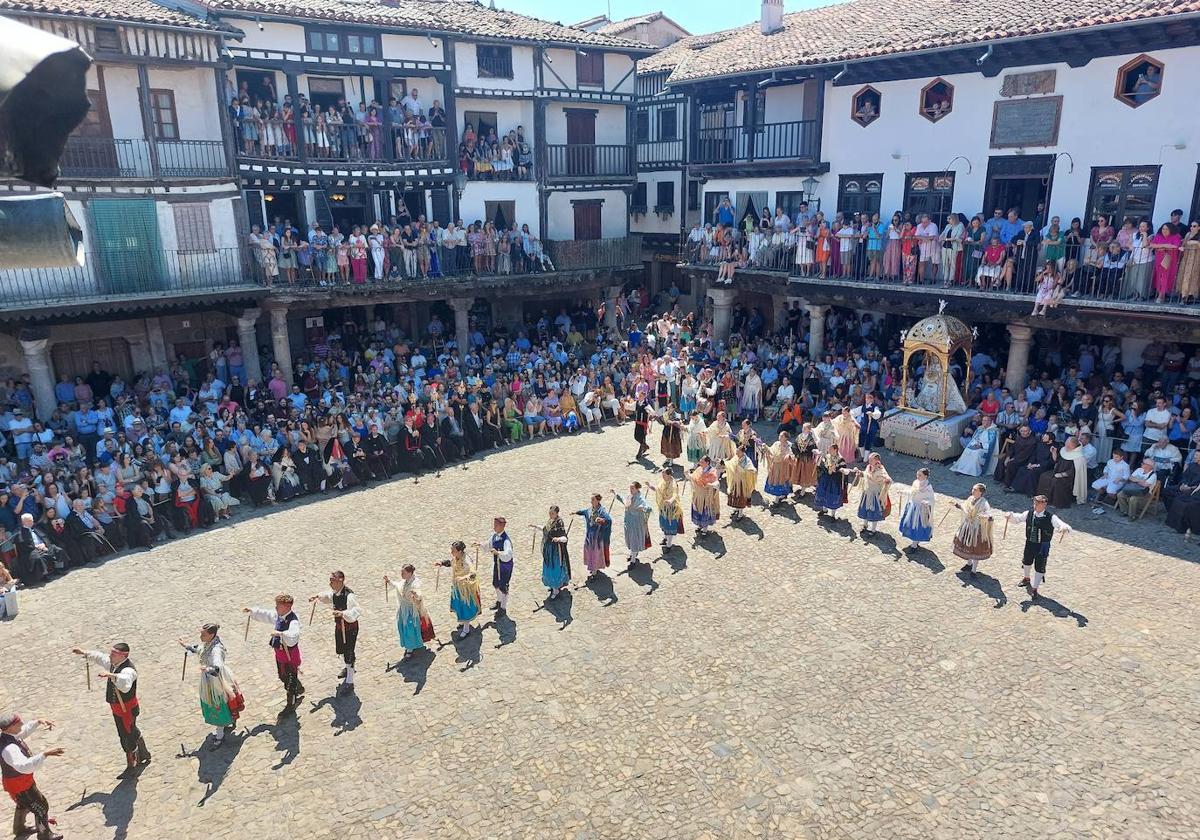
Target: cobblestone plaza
783	678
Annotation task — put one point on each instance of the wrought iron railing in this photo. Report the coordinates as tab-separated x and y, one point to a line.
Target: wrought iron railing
101	157
588	161
319	140
795	140
134	273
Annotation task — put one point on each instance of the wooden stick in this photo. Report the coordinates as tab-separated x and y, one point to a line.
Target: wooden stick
1004	535
943	519
87	669
387	592
312	613
437	580
1061	537
183	676
117	692
247	636
342	628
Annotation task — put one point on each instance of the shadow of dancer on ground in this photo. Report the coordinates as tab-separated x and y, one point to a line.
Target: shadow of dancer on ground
415	668
505	628
642	574
674	556
117	805
286	732
710	541
886	543
468	651
834	525
747	526
786	509
559	607
346	708
214	764
600	585
1055	608
924	557
986	584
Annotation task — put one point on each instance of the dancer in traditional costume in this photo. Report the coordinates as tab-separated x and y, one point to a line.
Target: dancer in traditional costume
597	536
874	505
804	471
642	412
346	614
747	438
120	692
671	444
780	466
697	441
706	498
847	435
464	589
413	623
285	642
741	478
502	562
556	561
867	416
825	435
719	439
831	482
220	698
637	521
670	507
973	540
18	763
1040	526
916	518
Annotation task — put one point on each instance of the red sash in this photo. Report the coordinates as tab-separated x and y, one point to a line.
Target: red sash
125	715
18	784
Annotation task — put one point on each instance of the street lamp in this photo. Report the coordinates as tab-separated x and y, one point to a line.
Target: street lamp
809	186
460	184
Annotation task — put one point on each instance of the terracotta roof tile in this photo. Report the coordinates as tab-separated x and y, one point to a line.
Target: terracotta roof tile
870	28
134	11
459	16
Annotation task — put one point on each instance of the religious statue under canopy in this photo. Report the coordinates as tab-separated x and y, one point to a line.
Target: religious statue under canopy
928	392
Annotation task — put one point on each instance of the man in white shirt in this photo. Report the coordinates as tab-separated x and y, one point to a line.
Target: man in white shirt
412	103
1165	456
19	765
1116	474
1141	482
21	430
1157	420
927	240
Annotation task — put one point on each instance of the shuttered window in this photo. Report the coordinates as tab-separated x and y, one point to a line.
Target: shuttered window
193	228
127	248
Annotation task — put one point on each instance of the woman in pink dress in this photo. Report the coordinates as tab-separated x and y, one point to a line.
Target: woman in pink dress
1165	245
358	255
891	254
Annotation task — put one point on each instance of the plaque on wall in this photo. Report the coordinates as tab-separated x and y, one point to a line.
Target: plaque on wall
1028	84
1026	122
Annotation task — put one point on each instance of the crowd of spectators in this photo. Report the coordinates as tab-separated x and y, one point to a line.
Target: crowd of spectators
1042	257
403	248
269	126
490	157
126	464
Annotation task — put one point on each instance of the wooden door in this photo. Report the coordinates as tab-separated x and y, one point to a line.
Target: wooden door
581	142
90	150
587	220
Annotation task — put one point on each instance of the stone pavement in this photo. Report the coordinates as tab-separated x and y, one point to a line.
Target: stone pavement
782	679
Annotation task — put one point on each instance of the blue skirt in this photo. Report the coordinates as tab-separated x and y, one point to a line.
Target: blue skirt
870	508
687	405
465	609
829	491
670	525
777	489
915	524
555	572
409	629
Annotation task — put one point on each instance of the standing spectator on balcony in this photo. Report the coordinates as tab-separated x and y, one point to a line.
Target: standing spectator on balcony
64	391
373	133
927	239
1025	249
248	119
891	253
1189	264
412	102
287	256
1166	246
287	116
1011	227
876	240
1053	245
846	236
437	126
338	258
349	130
1135	284
993	226
1073	241
358	255
951	248
723	214
1102	233
378	255
909	253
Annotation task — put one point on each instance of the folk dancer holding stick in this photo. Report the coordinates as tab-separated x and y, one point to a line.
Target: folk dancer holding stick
637	521
781	464
556	561
502	562
973	539
916	518
285	642
121	695
741	477
598	522
346	614
221	700
874	505
668	497
413	624
464	589
1040	526
18	763
706	498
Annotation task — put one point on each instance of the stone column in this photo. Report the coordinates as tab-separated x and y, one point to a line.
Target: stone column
722	312
611	293
35	345
1021	337
816	330
158	344
281	343
462	323
248	338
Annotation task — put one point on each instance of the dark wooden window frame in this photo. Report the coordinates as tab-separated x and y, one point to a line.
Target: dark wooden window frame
1123	71
854	105
343	46
1116	218
592	62
156	111
500	61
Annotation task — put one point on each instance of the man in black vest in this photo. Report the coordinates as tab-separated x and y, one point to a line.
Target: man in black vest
17	766
345	622
1040	525
121	694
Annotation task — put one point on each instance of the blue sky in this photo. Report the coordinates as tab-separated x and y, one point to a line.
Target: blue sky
697	16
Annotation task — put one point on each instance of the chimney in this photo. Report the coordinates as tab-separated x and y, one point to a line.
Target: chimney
772	16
